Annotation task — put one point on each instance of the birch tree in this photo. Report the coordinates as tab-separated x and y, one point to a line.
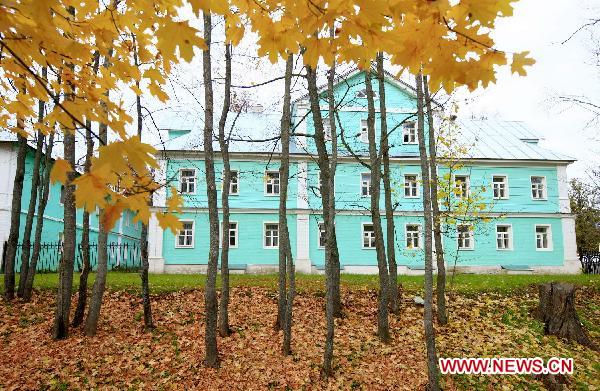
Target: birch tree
35	181
15	217
39	223
210	295
224	330
383	331
435	208
432	365
285	249
387	189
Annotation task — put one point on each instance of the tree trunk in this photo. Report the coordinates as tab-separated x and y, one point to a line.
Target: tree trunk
557	310
285	253
442	316
223	318
39	223
85	231
210	295
387	188
334	273
145	266
85	237
383	331
432	365
65	269
15	218
91	322
35	181
328	217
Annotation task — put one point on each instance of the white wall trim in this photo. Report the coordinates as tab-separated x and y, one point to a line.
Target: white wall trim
564	205
303	262
302	198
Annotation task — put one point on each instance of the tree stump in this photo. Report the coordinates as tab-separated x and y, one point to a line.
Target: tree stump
557	311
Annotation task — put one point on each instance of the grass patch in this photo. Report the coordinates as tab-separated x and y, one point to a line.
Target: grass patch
461	283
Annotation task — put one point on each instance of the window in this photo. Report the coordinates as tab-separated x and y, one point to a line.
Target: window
364	131
465	237
185	236
461	186
232	235
368	234
327	128
234	187
412	236
365	184
187	181
409	133
61	199
272	183
538	187
500	187
321	228
271	235
362	94
411	186
503	237
543	237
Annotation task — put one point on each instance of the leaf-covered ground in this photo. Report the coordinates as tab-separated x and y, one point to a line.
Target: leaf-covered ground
122	356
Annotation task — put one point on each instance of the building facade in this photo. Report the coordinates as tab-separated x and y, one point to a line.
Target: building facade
522	221
123	239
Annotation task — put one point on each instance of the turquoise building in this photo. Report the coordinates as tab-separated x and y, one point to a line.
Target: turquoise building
123	239
523	186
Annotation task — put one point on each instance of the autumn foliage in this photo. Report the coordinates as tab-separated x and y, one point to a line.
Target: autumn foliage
447	40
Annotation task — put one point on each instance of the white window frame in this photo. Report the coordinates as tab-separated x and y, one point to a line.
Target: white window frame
544	190
362	236
237	237
416	186
510	237
266	182
264	239
368	187
364	131
548	232
319	224
195	181
177	245
506	187
467	182
418	235
237	176
471	238
413	134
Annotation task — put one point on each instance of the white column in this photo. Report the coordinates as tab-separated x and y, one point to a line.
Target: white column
571	261
301	140
302	200
160	176
155	246
563	189
303	263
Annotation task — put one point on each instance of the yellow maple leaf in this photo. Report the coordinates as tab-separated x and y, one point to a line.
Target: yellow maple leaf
519	62
60	171
110	215
169	221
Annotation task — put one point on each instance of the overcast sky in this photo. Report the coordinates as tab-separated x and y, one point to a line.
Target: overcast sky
561	69
537	26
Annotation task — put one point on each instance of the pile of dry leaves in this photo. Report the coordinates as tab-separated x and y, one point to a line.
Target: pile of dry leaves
122	356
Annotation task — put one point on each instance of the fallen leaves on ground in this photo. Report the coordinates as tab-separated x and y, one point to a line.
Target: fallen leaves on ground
122	356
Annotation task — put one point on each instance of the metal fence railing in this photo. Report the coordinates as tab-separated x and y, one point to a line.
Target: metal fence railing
590	262
121	256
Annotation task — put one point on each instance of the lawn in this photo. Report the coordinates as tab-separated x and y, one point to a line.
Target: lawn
489	317
463	283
